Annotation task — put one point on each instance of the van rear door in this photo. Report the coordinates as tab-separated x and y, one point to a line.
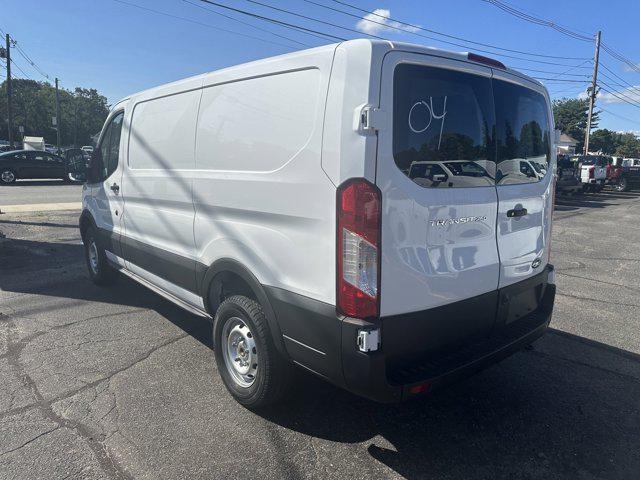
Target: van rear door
436	171
525	201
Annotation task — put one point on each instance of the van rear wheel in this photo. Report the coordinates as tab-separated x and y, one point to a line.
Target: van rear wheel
251	367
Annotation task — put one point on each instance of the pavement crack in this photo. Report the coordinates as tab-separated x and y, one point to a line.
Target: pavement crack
588	365
31	440
600	281
589	299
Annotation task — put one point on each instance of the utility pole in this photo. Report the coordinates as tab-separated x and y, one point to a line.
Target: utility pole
57	116
9	92
592	96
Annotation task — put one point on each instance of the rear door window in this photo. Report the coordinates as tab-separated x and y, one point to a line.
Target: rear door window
442	127
523	136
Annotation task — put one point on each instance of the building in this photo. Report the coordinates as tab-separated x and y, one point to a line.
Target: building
566	145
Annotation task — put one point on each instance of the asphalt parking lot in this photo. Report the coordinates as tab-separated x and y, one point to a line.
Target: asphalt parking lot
119	383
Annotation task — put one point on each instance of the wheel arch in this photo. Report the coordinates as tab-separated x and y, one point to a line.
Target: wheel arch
86	220
226	277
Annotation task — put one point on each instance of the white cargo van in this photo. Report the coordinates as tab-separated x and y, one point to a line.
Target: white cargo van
293	200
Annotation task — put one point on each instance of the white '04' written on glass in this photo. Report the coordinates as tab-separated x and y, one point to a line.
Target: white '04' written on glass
422	108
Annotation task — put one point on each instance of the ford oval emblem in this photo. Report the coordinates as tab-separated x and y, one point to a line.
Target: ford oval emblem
536	263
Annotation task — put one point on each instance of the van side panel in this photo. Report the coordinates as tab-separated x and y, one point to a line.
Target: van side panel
157	186
260	195
346	152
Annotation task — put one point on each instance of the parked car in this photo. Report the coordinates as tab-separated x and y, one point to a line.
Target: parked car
31	164
567	182
593	171
88	149
275	198
623	175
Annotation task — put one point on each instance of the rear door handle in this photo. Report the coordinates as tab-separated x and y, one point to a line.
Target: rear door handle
115	187
517	212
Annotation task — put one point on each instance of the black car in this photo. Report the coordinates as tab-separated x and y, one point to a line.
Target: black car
20	164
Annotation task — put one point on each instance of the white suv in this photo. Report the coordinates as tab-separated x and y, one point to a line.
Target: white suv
283	199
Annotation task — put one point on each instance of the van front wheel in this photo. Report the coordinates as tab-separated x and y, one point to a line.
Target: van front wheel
251	367
100	271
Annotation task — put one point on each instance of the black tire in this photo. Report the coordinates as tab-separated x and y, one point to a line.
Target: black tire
100	272
622	185
273	372
7	176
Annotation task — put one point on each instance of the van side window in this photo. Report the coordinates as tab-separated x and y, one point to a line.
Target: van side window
104	160
523	135
442	127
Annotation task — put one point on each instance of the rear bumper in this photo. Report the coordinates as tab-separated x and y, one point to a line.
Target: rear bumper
319	340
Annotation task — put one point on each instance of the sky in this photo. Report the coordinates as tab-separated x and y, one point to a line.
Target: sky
120	48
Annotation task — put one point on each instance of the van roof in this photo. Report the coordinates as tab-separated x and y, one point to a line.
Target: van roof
383	47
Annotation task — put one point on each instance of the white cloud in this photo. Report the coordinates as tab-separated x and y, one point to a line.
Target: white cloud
628	94
378	22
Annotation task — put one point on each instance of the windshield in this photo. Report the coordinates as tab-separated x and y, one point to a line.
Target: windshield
598	161
482	131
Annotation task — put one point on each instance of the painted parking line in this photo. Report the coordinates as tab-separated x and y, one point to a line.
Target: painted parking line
41	207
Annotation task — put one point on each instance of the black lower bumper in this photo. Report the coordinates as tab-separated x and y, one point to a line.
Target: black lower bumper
421	351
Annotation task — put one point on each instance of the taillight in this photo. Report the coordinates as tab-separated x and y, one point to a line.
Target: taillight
358	248
592	172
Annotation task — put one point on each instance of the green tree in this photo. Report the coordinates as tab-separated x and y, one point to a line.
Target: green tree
604	140
82	112
571	118
628	145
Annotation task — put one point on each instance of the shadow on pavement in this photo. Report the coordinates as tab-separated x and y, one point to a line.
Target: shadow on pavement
27	259
568	408
538	414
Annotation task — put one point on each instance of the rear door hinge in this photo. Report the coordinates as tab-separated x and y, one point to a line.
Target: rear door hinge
370	119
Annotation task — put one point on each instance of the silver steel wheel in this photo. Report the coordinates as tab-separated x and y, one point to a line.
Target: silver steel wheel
239	352
93	256
8	176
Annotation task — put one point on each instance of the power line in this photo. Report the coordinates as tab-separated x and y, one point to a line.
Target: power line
628	87
581	75
406	31
620	97
634	87
13	62
539	21
621	58
158	12
25	56
299	15
560	80
418	27
28	59
273	20
620	116
247	23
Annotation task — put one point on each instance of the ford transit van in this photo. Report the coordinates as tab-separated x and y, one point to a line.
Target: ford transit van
353	210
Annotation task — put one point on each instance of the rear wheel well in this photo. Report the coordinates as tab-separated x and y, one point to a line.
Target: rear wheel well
226	284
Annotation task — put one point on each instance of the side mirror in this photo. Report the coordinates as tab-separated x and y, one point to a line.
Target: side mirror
94	170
